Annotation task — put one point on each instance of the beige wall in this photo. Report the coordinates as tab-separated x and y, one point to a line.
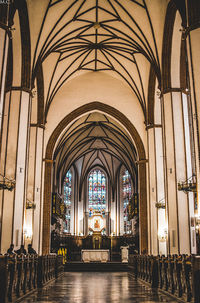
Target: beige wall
95	87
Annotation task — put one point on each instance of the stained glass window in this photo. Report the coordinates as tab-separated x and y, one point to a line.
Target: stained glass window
67	200
127	192
97	192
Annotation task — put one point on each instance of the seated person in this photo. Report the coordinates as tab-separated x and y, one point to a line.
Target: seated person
22	250
10	250
31	251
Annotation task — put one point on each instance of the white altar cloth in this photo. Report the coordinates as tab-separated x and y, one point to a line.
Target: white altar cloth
124	253
95	255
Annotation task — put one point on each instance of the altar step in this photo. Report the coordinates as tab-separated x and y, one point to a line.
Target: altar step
94	266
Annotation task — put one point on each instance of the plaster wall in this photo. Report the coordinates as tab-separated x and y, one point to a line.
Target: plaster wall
95	87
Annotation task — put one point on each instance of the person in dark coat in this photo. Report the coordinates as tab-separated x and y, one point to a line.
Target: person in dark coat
22	250
31	251
10	249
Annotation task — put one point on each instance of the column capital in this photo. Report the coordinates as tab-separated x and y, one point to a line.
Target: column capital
48	160
149	126
37	125
174	90
142	161
19	88
6	28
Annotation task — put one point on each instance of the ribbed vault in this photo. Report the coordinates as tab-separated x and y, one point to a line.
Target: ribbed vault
93	140
73	37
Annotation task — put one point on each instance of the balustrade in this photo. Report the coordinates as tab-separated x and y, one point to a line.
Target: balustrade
178	275
20	274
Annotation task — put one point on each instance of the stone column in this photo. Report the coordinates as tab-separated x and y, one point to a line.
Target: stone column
171	182
14	164
189	169
176	170
4	42
160	175
160	190
37	187
153	213
192	33
86	217
107	223
46	218
21	167
143	215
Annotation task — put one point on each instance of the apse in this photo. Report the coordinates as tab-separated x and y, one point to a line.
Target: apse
95	180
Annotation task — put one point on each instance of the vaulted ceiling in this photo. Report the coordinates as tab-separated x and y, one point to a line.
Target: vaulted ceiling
120	37
95	140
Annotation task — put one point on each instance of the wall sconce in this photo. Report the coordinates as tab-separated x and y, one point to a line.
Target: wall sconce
197	223
189	185
7	184
161	204
30	204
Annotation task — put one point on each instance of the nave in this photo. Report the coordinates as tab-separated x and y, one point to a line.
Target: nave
99	149
97	287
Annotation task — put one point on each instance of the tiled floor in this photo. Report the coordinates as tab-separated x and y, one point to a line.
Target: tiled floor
96	287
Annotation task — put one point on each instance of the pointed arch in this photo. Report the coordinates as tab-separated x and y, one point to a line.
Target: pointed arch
142	168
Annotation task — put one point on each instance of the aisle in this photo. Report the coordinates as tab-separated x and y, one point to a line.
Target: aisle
96	287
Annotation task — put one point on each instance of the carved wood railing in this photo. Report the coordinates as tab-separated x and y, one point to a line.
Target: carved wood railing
20	274
178	275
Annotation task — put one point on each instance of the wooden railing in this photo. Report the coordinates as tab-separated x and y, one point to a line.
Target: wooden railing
20	274
178	275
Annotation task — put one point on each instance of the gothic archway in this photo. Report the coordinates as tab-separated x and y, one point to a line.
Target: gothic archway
142	168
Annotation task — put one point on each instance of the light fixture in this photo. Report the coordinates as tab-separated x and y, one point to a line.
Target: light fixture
30	204
162	234
197	223
161	204
7	184
189	185
28	232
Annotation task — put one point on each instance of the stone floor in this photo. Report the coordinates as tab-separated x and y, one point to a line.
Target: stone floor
96	287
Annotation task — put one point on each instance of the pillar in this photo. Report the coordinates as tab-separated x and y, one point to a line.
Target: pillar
13	164
171	183
21	168
46	221
37	188
192	38
143	219
4	42
153	213
190	168
176	171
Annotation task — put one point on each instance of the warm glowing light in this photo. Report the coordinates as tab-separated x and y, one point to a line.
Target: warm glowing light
28	231
162	234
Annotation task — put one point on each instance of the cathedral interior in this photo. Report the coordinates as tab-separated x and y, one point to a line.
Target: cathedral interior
99	141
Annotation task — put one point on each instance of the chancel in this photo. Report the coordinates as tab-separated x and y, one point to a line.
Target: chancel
99	150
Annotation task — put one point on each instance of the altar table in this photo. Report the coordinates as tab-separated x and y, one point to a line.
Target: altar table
95	255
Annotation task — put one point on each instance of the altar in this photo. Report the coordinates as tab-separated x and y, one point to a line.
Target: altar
95	255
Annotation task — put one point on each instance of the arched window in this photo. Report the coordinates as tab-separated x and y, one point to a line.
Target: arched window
97	192
127	192
67	200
